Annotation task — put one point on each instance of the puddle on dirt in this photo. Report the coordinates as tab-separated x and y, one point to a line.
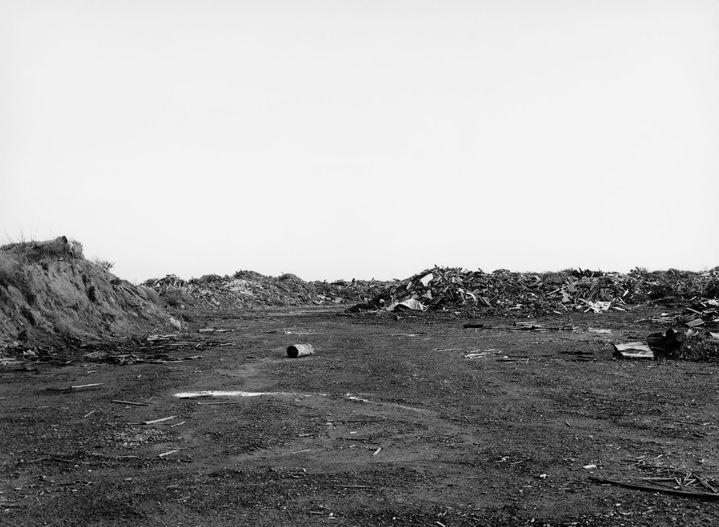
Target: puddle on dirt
217	393
238	393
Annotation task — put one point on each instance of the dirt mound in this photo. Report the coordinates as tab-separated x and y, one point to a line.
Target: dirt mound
504	292
49	294
249	289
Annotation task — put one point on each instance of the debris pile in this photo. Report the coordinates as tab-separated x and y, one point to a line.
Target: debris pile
658	345
505	292
700	346
50	294
700	313
249	289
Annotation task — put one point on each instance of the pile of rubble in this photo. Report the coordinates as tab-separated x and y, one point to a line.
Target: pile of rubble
249	289
504	292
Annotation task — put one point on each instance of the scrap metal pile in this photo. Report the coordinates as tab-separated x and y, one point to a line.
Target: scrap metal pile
248	289
504	292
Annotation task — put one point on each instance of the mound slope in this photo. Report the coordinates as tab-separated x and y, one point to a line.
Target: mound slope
49	294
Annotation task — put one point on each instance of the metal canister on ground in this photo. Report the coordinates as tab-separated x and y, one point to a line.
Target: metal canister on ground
299	350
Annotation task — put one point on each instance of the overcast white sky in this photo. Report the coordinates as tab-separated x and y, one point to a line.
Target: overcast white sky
339	139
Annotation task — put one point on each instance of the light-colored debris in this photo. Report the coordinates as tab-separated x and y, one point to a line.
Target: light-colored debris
154	421
633	350
300	350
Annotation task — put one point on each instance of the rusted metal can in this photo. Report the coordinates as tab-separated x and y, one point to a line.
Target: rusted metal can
299	350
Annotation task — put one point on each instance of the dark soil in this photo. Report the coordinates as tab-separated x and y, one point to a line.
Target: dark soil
389	423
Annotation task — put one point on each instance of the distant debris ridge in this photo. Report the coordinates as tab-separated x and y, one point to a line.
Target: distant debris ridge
249	289
506	292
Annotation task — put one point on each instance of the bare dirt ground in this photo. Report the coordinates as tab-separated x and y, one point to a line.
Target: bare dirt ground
389	423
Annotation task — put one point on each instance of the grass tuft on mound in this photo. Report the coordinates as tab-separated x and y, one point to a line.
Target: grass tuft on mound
32	251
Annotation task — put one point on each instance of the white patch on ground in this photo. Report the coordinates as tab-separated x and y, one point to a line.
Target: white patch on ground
216	393
238	393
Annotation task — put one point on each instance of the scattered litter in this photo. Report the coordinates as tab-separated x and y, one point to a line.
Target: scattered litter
521	326
411	303
155	338
670	345
81	386
596	307
88	414
299	350
165	454
131	403
658	488
633	350
178	424
154	421
355	398
600	331
295	331
666	344
481	354
379	449
125	359
589	467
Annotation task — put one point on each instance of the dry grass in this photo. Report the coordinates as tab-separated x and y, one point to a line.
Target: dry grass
105	264
33	251
11	274
8	271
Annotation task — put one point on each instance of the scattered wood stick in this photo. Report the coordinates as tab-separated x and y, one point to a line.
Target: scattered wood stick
131	403
105	456
158	420
379	449
77	387
685	493
706	485
51	458
178	424
169	452
88	414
